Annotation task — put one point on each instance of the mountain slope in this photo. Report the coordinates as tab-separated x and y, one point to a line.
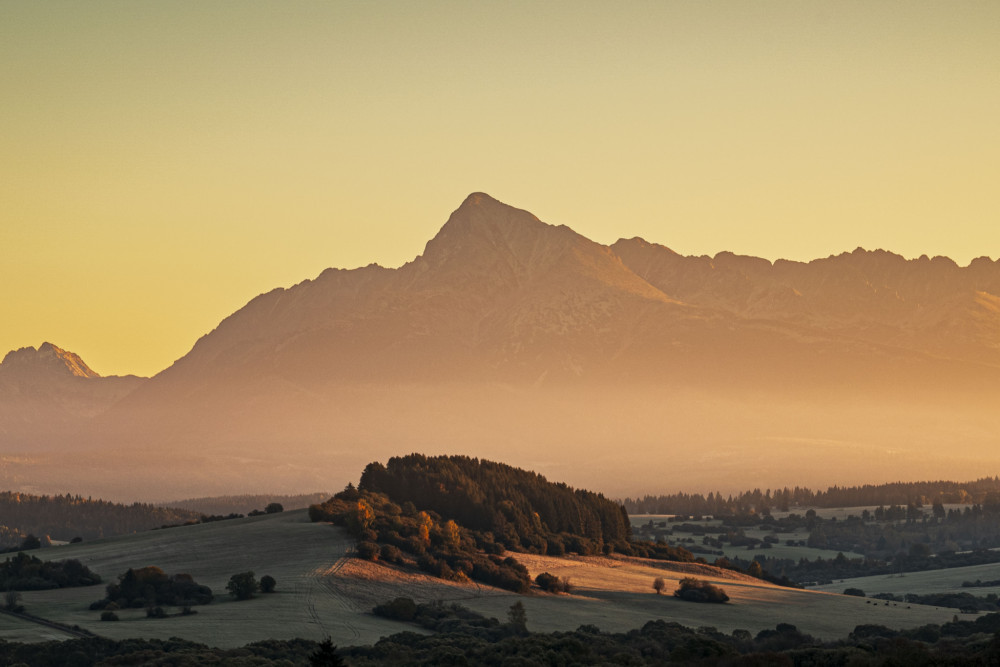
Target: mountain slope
525	342
48	392
929	306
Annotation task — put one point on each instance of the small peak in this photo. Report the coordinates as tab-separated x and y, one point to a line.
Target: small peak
48	356
479	199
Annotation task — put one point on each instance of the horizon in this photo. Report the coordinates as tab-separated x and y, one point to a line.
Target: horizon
222	316
163	165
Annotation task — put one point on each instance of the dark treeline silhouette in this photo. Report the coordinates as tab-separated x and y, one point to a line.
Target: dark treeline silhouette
244	504
146	586
521	508
65	517
28	573
895	493
464	637
895	530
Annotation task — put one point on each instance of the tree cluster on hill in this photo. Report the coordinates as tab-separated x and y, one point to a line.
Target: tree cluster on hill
28	573
762	502
454	517
148	586
522	509
66	517
402	534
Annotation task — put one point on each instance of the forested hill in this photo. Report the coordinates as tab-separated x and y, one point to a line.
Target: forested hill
984	490
66	517
516	505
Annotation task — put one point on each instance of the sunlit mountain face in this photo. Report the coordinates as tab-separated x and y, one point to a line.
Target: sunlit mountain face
626	369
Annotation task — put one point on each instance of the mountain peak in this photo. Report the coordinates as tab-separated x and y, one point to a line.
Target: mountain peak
48	357
482	227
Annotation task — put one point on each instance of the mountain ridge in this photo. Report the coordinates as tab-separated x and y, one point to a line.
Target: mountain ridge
523	337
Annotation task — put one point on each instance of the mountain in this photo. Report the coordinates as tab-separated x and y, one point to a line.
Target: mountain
926	305
50	392
521	341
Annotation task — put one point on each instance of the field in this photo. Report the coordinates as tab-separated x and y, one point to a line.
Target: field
321	592
779	550
931	581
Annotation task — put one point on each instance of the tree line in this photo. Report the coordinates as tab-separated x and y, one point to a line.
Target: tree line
464	637
67	516
760	502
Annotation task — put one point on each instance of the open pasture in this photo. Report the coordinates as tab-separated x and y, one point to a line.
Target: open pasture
321	591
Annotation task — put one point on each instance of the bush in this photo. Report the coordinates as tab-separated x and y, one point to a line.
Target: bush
153	612
267	584
549	583
391	553
856	592
400	609
274	508
696	590
368	550
242	586
109	616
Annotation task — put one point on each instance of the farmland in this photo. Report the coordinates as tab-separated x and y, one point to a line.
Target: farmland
321	592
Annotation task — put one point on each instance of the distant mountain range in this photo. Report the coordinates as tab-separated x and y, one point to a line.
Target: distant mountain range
525	339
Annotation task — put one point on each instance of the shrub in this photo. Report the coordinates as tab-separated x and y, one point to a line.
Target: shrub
242	586
267	584
391	553
12	601
549	583
857	592
400	609
658	585
154	612
696	590
109	616
368	550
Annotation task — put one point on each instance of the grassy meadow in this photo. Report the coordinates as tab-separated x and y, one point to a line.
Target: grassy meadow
323	592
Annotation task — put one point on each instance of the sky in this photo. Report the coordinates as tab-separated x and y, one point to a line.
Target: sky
163	163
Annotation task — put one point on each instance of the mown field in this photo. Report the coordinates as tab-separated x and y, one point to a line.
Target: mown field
321	592
931	581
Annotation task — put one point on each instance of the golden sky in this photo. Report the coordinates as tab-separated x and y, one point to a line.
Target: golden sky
163	163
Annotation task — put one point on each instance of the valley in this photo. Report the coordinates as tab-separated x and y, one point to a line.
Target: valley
321	591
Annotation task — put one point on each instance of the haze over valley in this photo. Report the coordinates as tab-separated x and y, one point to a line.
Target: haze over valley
627	368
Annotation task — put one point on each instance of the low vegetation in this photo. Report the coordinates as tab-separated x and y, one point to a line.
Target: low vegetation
24	572
464	637
151	586
697	590
243	585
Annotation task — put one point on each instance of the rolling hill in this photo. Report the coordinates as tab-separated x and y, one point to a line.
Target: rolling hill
321	592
